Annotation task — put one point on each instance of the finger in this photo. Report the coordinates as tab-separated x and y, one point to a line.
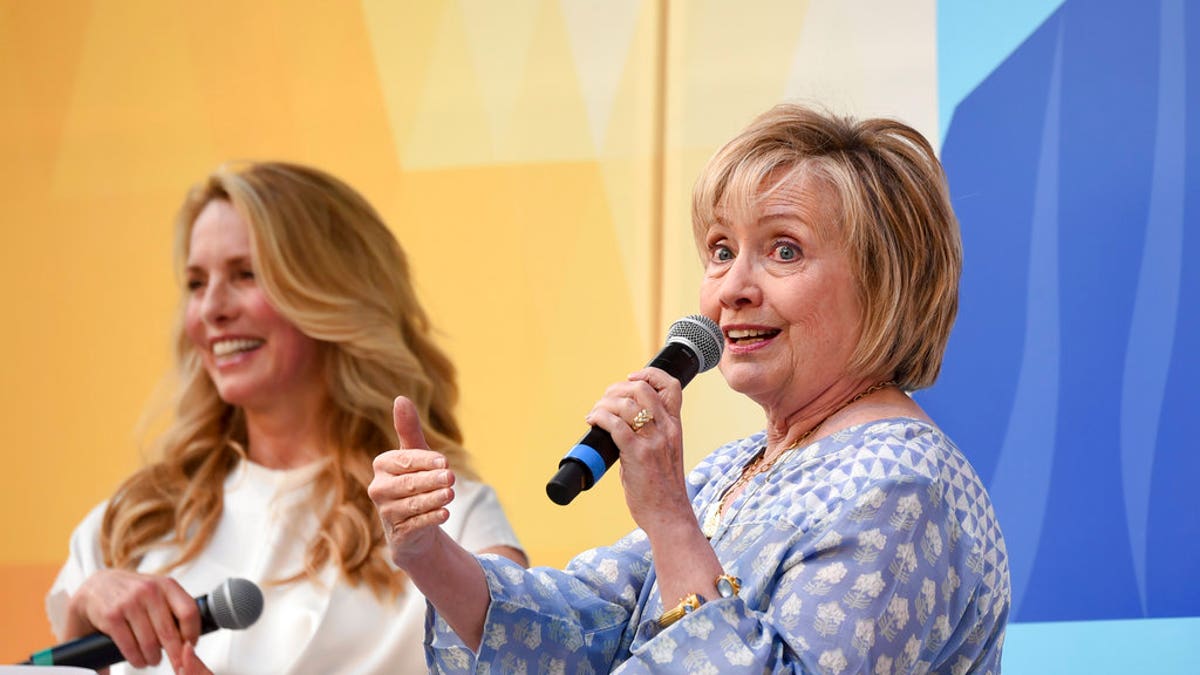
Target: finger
403	510
667	388
118	631
166	631
408	423
386	488
397	462
432	519
184	610
143	632
186	663
190	664
616	426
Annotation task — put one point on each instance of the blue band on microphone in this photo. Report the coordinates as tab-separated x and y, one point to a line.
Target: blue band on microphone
588	455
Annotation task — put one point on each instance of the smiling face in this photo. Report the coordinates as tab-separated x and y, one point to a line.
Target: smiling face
779	283
256	358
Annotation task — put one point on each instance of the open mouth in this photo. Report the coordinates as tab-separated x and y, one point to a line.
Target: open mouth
227	347
746	336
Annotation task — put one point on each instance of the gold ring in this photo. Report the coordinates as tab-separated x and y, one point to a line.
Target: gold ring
640	419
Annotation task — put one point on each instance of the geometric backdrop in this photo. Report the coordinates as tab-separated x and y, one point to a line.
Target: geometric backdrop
535	157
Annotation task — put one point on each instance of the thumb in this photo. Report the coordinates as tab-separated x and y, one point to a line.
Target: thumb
408	424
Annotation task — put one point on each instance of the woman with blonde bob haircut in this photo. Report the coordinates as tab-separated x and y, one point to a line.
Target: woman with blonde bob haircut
850	535
894	212
298	327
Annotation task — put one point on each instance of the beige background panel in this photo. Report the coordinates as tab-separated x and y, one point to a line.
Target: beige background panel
872	58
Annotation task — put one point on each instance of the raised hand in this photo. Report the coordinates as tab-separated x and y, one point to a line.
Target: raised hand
411	488
652	471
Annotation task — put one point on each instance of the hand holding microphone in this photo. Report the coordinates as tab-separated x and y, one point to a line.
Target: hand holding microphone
694	345
236	603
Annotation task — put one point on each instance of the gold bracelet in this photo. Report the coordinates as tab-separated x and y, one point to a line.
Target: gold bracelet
686	606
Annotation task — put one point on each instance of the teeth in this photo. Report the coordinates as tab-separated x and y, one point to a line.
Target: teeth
226	347
742	333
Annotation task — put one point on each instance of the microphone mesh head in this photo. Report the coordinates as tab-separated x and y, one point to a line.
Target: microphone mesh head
236	604
701	334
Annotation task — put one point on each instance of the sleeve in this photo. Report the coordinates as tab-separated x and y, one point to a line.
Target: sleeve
543	619
481	522
871	588
83	560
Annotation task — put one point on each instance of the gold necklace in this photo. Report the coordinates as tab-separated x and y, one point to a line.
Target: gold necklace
758	465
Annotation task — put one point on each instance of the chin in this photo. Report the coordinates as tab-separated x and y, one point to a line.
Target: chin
234	393
743	380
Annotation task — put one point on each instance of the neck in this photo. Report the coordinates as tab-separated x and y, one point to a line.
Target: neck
286	436
819	416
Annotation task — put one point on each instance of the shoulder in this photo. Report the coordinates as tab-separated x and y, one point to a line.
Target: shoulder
898	448
914	463
88	529
83	560
899	457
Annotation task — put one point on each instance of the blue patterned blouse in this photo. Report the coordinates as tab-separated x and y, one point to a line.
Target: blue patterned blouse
873	550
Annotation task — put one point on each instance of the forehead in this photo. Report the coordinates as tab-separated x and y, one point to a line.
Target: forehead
219	231
786	192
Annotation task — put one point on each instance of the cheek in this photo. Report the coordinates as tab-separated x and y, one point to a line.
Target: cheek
193	323
710	304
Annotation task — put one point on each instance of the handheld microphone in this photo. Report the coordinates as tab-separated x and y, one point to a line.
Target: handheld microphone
694	344
236	603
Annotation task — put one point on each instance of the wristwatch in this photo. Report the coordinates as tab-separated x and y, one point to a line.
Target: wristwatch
686	606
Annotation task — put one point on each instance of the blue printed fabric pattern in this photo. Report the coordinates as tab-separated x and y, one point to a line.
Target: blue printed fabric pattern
874	550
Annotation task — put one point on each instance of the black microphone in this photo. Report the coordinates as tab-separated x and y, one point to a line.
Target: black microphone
236	604
694	344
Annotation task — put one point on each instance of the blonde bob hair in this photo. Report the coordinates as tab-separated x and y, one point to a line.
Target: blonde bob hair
894	218
329	265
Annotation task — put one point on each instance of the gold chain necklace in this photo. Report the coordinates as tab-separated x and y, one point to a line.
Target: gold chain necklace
758	465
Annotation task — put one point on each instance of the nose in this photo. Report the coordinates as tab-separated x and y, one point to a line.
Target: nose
217	305
739	285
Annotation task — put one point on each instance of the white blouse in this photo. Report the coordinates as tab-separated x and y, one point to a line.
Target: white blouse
305	627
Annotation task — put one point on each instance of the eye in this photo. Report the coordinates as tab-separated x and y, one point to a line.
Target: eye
787	251
194	284
721	253
245	274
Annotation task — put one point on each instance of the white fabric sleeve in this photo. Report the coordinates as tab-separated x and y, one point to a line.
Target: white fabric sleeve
481	520
83	560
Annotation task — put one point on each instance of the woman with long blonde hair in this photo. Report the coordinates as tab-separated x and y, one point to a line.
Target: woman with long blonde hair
298	326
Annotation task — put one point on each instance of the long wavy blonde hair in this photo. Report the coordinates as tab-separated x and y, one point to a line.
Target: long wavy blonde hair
329	265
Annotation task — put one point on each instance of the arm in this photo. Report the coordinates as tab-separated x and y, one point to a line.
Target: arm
587	605
879	580
143	614
411	489
652	475
572	620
